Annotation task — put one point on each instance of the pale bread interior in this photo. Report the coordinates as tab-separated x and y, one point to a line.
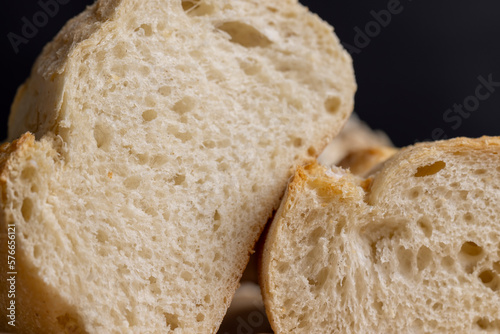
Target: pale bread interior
166	132
416	251
355	137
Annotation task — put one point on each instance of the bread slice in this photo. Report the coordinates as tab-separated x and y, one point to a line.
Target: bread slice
358	148
355	136
165	133
416	251
367	161
242	315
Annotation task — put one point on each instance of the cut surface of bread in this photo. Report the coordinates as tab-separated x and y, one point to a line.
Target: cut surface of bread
415	250
367	161
355	136
165	134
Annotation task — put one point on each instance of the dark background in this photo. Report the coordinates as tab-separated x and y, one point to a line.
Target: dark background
409	71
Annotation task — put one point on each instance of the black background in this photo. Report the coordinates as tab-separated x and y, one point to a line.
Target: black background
409	73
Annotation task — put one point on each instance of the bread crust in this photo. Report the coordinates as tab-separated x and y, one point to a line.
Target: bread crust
55	104
367	161
294	188
37	304
356	136
419	159
412	155
46	78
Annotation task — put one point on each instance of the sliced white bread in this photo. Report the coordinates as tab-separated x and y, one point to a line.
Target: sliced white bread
415	250
165	132
241	315
355	136
358	148
368	160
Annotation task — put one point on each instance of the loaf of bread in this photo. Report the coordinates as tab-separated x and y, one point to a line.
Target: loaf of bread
417	250
164	136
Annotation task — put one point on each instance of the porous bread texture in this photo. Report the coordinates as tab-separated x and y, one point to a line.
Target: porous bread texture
416	251
364	152
354	137
166	132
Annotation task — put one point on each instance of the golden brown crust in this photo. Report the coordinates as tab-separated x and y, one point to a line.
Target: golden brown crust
355	136
362	162
37	303
7	152
7	149
295	186
311	176
411	156
265	261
